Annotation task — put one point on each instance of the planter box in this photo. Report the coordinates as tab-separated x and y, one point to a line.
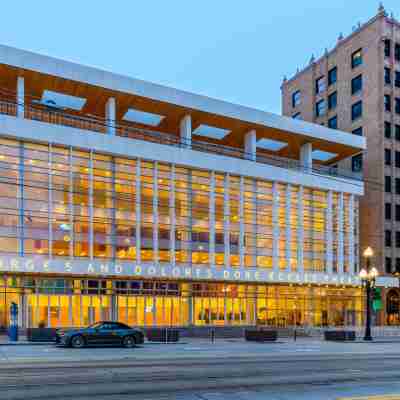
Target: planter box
41	334
340	336
255	335
162	335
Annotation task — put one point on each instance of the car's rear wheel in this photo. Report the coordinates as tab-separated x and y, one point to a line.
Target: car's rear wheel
128	342
77	342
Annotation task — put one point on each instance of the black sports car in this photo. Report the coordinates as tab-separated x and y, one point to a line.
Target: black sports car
105	332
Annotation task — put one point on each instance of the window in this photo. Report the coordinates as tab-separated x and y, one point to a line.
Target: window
388	238
296	98
397	185
297	115
388	130
397	239
397	79
320	108
388	76
356	84
332	122
356	58
320	85
388	265
397	132
357	163
397	159
397	212
332	76
388	211
332	101
387	47
387	102
388	157
388	184
358	131
397	52
356	110
397	105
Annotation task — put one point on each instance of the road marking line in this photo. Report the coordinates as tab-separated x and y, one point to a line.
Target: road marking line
384	397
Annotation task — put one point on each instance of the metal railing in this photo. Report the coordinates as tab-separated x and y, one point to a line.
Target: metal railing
63	118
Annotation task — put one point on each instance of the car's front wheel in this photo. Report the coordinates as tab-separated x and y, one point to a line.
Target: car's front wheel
77	342
129	342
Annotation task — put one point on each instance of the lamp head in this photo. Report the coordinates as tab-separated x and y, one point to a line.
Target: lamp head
373	273
363	274
368	252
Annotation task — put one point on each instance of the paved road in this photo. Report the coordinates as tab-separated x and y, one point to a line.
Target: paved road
201	371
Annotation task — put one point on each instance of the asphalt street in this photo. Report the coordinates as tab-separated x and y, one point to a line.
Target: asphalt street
200	370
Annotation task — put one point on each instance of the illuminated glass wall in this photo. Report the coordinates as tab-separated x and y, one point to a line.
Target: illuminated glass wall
63	202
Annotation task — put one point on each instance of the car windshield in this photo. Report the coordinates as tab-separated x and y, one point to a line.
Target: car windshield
96	325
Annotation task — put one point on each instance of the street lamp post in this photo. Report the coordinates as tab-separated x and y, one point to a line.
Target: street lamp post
368	277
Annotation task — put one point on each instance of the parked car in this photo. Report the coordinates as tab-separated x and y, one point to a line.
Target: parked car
104	332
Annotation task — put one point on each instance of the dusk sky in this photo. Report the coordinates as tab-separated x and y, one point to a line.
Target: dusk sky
236	51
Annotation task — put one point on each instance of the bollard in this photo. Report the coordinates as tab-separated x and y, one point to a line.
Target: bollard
212	335
295	335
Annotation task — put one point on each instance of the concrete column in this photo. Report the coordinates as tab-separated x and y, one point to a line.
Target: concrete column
227	242
340	247
275	227
186	131
172	215
350	238
288	234
138	212
250	145
212	220
111	112
329	233
306	156
300	231
21	97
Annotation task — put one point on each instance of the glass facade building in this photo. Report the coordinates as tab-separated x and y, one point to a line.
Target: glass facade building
98	225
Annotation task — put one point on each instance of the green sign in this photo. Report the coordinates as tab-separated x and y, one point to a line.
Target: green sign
377	304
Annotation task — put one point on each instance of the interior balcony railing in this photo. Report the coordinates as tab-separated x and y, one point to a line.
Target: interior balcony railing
62	117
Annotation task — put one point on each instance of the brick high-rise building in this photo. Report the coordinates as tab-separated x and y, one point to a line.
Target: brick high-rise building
355	87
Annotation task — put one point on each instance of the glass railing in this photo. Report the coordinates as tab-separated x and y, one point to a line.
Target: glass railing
62	117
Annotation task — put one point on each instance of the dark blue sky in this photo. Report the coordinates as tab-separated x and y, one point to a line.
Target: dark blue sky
233	50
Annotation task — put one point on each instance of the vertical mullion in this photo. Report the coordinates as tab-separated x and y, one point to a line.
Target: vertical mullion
329	233
351	269
21	198
113	212
340	234
275	227
71	203
91	213
212	219
288	233
226	221
155	213
241	222
172	216
300	235
138	211
50	199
